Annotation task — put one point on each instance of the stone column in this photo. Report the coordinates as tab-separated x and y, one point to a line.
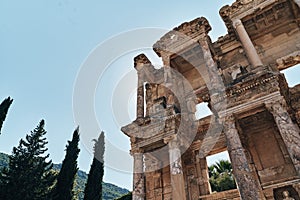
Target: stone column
140	96
141	63
138	192
149	101
215	81
247	43
203	180
288	129
168	79
247	184
177	179
167	69
140	92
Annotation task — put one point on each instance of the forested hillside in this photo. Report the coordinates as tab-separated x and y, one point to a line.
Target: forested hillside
110	191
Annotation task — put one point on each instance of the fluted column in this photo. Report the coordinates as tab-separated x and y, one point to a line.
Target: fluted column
288	129
138	192
177	179
247	43
247	184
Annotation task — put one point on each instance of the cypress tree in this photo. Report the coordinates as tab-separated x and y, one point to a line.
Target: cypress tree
29	175
93	187
65	181
4	106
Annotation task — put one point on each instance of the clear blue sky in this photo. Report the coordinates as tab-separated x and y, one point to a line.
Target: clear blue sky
42	47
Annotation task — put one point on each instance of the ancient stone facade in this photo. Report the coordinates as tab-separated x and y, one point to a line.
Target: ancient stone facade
255	115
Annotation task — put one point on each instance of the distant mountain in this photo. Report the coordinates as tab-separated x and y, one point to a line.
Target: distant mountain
110	191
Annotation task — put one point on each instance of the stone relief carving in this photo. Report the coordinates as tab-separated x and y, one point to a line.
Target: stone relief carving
286	195
176	167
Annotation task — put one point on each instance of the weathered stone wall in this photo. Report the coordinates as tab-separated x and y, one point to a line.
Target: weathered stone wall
295	101
256	117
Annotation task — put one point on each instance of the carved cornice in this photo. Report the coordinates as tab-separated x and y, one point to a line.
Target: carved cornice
241	8
288	60
182	35
243	88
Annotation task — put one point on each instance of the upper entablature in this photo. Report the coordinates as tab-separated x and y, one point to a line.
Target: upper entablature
182	36
260	16
242	8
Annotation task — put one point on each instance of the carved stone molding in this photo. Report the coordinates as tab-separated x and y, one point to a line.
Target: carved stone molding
241	8
289	60
181	36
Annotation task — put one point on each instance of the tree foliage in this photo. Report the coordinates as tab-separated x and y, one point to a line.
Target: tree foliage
125	197
4	106
29	175
93	188
221	177
65	181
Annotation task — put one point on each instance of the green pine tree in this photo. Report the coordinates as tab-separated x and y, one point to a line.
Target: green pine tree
64	188
4	106
93	187
29	175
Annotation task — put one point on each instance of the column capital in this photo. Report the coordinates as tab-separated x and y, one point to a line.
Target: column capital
134	152
172	141
236	23
229	118
272	106
228	122
166	59
202	38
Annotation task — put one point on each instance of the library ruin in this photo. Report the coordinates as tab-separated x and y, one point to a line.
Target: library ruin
255	114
